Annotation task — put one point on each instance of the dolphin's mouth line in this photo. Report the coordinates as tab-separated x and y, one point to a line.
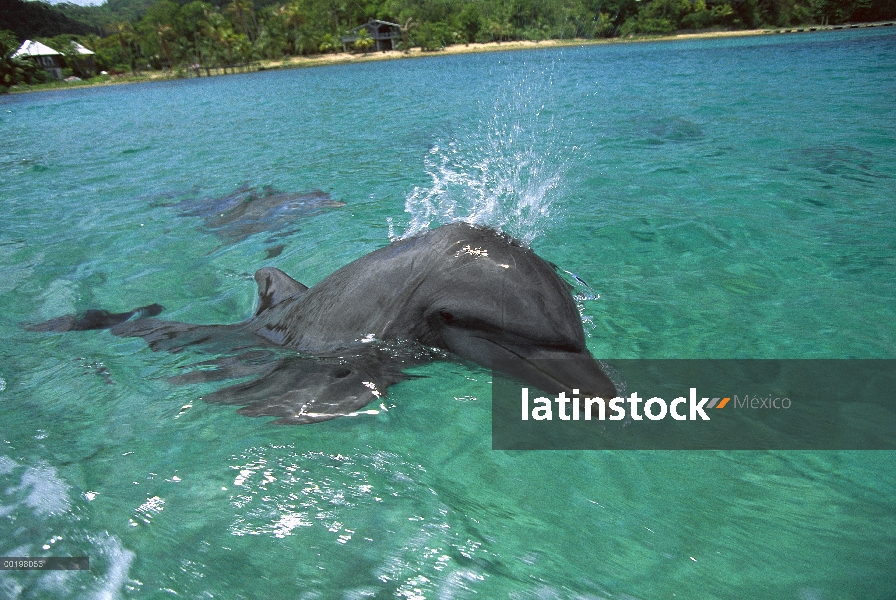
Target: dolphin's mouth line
525	360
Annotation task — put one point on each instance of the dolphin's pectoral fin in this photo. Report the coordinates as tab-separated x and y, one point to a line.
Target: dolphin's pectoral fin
306	390
253	363
275	286
94	319
299	389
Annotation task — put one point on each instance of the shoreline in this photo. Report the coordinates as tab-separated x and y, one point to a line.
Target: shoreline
343	58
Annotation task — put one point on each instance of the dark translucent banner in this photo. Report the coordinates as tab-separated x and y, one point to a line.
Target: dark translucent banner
45	563
705	405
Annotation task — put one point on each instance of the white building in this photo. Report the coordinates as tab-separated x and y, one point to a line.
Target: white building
43	56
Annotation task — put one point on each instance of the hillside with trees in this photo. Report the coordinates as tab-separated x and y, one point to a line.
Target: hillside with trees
38	19
178	35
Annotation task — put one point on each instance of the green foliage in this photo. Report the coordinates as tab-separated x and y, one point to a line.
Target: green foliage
188	36
833	11
646	25
658	17
666	16
433	36
701	17
363	42
329	43
469	22
604	26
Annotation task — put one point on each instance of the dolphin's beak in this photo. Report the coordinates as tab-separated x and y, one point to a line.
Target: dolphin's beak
557	371
551	370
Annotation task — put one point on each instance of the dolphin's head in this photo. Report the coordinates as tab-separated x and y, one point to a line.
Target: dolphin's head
500	305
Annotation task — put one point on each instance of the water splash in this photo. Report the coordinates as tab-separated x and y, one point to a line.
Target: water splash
506	173
581	293
39	489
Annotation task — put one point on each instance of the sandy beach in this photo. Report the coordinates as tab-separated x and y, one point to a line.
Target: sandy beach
346	57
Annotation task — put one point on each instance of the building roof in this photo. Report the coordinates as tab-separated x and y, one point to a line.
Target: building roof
29	48
81	49
375	22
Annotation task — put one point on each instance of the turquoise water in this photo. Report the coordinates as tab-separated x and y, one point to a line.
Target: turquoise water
722	198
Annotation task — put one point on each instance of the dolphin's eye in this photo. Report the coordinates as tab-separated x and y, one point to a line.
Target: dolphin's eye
447	317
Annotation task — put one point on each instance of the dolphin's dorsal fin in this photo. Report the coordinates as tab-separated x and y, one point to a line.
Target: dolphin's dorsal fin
274	286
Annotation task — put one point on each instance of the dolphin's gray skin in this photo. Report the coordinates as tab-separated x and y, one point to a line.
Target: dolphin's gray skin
462	289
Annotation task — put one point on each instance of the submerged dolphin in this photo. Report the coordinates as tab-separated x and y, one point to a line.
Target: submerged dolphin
467	290
248	210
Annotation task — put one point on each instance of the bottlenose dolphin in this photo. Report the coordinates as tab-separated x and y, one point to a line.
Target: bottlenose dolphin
329	350
247	211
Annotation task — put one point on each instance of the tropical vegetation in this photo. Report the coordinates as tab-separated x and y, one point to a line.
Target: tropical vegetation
184	36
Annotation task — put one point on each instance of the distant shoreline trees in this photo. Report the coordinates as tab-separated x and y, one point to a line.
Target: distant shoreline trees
185	36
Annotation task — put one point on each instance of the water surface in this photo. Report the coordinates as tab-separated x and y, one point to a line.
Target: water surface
723	198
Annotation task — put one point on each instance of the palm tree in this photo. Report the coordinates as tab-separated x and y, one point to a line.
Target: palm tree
126	36
363	42
272	40
214	32
294	17
91	41
405	31
242	10
165	32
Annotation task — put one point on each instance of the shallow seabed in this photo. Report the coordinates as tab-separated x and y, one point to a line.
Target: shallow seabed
724	198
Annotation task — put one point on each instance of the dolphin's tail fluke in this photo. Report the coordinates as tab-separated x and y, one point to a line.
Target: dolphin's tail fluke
169	336
94	319
174	337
